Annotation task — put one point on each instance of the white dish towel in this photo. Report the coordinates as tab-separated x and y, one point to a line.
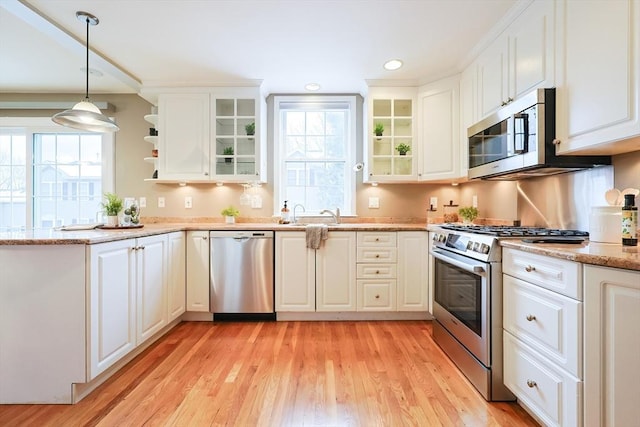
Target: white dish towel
316	233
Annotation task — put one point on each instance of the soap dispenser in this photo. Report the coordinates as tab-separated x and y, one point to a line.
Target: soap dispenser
284	214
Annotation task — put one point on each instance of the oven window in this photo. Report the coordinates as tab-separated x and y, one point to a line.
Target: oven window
460	293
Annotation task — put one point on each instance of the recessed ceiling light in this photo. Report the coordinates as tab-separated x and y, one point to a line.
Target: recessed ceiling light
312	87
392	64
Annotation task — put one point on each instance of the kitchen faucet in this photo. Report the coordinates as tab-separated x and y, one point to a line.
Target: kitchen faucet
336	216
295	221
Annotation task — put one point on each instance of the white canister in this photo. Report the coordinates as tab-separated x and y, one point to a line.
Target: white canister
605	224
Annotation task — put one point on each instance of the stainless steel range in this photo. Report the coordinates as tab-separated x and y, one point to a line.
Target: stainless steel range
468	297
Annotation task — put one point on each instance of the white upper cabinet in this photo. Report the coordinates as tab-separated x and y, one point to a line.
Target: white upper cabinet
394	110
518	61
212	136
598	71
439	131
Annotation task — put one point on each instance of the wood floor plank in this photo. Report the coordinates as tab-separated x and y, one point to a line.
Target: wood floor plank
387	373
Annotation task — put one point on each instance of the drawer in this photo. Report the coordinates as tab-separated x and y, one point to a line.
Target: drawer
376	271
376	295
558	275
552	394
377	238
549	322
377	255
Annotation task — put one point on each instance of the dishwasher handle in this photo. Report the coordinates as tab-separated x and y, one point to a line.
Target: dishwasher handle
241	235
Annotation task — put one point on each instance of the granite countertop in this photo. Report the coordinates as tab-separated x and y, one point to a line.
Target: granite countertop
88	237
602	254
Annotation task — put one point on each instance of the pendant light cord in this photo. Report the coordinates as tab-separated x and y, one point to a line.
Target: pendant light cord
86	96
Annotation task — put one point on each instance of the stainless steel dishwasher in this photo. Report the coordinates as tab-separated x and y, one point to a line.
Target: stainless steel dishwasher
241	275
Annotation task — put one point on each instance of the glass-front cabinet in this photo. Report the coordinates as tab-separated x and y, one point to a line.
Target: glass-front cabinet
391	135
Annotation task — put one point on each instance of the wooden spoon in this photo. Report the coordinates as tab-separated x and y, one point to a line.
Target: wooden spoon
612	196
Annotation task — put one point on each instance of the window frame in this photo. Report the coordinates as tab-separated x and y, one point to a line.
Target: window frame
350	150
35	125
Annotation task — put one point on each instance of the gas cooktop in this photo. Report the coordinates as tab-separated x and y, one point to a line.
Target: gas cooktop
512	231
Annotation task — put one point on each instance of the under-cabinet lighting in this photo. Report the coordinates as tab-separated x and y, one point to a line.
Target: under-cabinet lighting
182	184
374	184
392	64
219	184
313	87
455	184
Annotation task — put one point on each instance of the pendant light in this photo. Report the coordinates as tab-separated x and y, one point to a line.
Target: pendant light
85	115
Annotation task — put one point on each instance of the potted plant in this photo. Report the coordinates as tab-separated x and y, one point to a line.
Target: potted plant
403	149
230	213
468	214
112	207
250	128
228	152
378	130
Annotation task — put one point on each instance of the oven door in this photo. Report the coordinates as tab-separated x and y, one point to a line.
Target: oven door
461	300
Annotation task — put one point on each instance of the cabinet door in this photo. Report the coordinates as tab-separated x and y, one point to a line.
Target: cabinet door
198	271
376	295
336	272
413	277
295	270
183	131
493	76
112	304
176	275
151	256
612	346
439	131
468	111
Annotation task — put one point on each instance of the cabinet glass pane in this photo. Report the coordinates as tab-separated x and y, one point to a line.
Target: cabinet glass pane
382	146
402	127
385	122
225	107
242	127
381	166
225	166
402	165
402	108
382	107
246	107
223	144
225	126
246	147
398	141
246	166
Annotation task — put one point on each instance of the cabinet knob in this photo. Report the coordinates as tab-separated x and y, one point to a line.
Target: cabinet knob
377	255
509	100
204	237
377	271
502	104
141	247
529	268
531	317
556	141
531	383
377	296
206	174
377	239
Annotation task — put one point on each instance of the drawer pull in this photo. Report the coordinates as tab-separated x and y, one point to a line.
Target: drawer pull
377	271
377	255
377	239
377	296
531	317
531	384
529	268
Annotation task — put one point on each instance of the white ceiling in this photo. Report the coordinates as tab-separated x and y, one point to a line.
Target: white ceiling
145	44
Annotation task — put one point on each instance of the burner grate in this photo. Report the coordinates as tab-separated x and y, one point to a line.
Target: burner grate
514	231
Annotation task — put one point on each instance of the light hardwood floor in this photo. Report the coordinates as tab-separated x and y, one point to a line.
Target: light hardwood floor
283	374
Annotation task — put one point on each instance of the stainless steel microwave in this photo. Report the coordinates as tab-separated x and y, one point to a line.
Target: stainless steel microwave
516	142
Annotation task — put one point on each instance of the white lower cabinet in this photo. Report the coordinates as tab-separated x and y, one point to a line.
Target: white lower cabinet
198	271
413	276
543	330
336	273
176	275
127	297
612	347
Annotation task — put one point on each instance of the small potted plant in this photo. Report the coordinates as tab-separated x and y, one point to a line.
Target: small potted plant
228	151
468	214
230	213
378	130
250	128
403	149
112	207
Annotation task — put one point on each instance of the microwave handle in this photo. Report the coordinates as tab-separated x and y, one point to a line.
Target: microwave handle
520	133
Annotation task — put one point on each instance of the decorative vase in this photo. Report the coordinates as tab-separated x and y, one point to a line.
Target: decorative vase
112	220
230	219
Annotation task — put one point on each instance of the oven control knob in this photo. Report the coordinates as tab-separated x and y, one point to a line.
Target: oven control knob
442	237
484	248
435	237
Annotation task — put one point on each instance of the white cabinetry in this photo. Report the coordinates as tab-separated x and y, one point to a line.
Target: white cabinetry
413	277
176	275
212	136
151	271
336	273
598	90
315	280
153	140
439	131
520	60
612	347
198	271
111	304
377	271
543	327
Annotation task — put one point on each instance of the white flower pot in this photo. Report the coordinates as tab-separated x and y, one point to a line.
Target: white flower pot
112	220
230	219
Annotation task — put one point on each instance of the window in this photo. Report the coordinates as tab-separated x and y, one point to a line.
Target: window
315	140
51	176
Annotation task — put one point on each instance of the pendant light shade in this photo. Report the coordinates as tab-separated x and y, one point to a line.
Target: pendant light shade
85	115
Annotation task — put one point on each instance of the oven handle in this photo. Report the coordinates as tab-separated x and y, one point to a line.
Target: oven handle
458	261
